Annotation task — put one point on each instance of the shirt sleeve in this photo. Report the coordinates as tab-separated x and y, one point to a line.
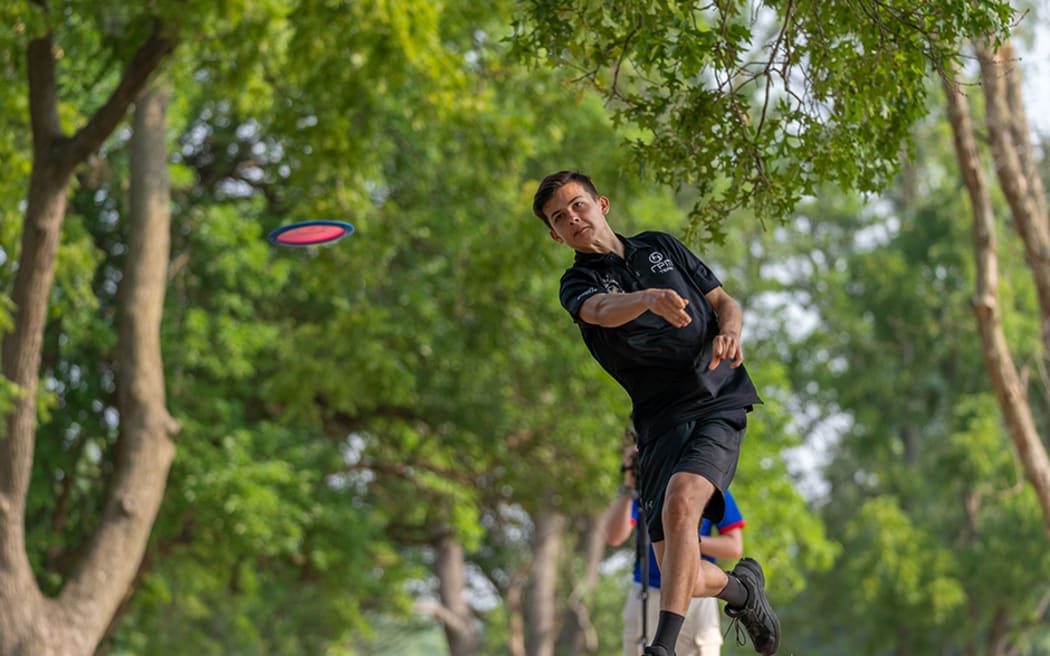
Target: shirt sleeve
733	518
701	274
577	285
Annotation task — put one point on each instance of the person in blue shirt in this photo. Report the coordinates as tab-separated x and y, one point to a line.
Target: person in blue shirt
701	633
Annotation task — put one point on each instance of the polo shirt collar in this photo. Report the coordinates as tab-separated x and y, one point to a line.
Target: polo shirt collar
590	259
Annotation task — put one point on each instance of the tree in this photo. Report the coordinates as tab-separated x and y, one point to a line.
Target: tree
75	621
284	505
755	104
920	490
300	455
1019	179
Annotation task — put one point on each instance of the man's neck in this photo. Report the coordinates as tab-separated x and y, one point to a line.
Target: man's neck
609	243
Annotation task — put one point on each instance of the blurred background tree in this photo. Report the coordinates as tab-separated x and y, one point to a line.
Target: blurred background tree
400	442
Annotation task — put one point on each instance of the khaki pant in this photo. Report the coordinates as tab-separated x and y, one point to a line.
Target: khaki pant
701	631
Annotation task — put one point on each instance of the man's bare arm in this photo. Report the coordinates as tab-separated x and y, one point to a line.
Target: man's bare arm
726	344
613	310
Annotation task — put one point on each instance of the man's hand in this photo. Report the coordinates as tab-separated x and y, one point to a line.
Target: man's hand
726	347
668	304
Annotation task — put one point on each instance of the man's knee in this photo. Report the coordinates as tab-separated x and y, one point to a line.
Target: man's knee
679	508
685	498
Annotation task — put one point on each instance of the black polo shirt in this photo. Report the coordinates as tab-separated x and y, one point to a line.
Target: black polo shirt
663	368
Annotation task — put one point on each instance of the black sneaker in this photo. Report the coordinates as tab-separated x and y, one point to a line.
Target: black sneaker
655	650
757	615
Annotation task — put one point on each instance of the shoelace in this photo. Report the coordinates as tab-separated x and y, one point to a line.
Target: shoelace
741	634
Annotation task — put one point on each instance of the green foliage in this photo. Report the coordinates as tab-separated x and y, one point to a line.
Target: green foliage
343	408
15	153
758	104
269	554
900	576
424	359
922	486
8	390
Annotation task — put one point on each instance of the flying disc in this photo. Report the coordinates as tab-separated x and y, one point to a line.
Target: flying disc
310	233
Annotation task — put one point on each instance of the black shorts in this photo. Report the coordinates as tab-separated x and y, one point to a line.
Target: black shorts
708	447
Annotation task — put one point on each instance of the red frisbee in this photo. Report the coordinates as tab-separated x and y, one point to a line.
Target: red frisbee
310	233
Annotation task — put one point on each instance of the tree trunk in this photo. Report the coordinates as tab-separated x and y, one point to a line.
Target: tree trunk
1009	387
23	612
579	635
515	615
1012	148
454	612
998	640
29	623
145	449
540	630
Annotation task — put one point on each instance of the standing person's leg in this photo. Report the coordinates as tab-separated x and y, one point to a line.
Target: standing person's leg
632	622
632	618
702	631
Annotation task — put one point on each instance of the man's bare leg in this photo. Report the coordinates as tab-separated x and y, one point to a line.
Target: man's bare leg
684	574
678	554
680	574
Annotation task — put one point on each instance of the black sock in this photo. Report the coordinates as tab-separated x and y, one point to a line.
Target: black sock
734	594
667	629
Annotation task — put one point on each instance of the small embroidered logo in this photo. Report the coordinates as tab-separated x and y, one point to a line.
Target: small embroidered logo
612	285
660	263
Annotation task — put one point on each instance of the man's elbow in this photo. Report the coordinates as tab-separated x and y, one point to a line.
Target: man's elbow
736	546
599	310
594	314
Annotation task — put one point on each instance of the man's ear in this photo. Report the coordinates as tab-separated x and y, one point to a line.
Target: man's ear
603	202
556	237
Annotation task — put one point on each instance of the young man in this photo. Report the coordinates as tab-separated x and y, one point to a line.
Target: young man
657	319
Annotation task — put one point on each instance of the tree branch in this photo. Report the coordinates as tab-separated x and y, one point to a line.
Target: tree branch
43	110
88	139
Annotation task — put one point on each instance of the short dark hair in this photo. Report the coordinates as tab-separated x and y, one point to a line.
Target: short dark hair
552	183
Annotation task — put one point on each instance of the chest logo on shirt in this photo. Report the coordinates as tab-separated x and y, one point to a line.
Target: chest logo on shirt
660	264
611	285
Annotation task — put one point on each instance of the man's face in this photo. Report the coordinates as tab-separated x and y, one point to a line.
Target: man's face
576	217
